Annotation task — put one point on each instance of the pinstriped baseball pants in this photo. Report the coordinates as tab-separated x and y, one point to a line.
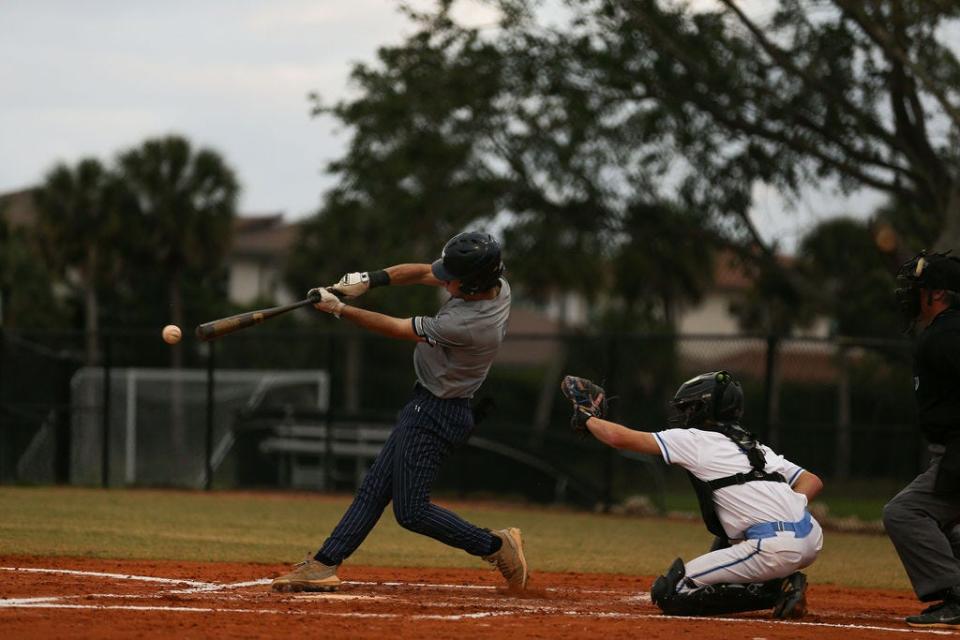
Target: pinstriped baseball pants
427	430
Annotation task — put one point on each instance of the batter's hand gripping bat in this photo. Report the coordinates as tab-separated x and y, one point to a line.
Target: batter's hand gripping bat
217	328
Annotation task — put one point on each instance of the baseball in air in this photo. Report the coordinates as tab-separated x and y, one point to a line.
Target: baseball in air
171	334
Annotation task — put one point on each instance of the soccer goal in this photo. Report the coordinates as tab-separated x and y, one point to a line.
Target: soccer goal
156	431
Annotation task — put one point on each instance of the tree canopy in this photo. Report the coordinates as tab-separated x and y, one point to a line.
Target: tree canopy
584	135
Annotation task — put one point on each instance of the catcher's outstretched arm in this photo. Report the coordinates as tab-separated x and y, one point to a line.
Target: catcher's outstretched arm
620	437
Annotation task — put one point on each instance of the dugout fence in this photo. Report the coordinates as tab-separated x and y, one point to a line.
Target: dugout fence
841	407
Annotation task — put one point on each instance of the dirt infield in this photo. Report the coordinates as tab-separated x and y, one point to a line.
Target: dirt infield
93	598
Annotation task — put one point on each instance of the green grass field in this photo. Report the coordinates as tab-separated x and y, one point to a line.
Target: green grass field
279	528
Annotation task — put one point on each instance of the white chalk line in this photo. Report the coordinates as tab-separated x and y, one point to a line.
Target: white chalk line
207	588
202	587
115	576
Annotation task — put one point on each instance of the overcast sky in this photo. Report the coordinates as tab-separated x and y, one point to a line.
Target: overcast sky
91	77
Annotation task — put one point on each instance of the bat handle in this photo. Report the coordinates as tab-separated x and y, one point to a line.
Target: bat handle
314	294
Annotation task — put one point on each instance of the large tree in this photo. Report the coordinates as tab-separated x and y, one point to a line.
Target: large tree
410	178
453	127
858	94
78	226
186	201
637	107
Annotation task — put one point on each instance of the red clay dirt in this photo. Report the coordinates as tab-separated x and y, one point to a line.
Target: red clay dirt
96	598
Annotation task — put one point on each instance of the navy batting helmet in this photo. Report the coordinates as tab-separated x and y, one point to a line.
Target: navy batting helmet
473	258
708	398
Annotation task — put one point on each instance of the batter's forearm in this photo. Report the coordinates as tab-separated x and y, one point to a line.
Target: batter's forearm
380	323
412	273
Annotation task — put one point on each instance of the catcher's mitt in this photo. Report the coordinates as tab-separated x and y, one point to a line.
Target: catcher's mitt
589	401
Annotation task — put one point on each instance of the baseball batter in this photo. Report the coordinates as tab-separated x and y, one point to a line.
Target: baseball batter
753	499
922	519
454	351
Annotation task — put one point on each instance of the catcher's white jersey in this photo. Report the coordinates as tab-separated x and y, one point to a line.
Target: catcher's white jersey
708	456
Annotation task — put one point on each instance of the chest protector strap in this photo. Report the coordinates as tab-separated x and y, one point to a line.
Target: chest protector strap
704	490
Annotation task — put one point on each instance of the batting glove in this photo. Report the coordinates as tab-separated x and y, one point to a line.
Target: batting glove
327	301
353	285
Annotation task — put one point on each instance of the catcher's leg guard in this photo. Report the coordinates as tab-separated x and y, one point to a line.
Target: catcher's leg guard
713	599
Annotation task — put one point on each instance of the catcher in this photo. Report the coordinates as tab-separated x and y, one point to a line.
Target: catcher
752	499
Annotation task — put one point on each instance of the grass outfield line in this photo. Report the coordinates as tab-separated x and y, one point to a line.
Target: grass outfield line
281	528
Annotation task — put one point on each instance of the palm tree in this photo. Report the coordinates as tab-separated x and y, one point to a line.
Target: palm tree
77	223
187	199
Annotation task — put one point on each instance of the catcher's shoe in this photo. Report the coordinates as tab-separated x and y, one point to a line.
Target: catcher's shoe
509	559
308	575
666	585
792	602
945	614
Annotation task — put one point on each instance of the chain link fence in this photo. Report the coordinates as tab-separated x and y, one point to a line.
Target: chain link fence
842	408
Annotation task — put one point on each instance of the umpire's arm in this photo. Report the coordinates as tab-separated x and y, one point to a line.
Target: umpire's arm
620	437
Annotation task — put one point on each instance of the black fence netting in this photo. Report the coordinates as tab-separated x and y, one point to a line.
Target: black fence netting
309	409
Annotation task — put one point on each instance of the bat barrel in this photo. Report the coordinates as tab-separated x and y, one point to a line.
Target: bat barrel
212	330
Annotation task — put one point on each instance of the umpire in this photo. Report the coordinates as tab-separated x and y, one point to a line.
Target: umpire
922	520
454	351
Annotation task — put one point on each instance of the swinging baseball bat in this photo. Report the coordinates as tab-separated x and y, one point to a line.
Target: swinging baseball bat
216	328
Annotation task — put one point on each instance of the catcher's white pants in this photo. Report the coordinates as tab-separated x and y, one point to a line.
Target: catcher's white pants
756	560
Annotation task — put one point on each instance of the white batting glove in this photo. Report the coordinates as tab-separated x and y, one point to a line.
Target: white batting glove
353	285
328	302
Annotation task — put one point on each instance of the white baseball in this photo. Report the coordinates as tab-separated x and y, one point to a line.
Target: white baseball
171	334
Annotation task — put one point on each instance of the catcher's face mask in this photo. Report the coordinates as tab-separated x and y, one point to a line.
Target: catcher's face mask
910	279
689	415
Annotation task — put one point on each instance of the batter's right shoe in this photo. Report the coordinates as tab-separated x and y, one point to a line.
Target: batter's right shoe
509	559
792	602
945	614
308	575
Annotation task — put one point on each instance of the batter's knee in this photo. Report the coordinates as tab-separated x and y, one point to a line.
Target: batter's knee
409	516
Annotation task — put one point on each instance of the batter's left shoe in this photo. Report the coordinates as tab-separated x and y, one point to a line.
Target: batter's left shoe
509	559
309	575
792	602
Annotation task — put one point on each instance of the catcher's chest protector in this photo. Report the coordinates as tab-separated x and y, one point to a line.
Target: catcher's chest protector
704	489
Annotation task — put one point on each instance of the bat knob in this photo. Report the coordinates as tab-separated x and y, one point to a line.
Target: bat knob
314	296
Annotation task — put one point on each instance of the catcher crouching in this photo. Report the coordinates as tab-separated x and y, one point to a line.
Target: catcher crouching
752	499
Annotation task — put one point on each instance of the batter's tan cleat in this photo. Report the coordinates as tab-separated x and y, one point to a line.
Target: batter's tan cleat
509	559
308	575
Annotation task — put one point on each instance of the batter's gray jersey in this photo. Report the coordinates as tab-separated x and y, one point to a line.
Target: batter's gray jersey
461	342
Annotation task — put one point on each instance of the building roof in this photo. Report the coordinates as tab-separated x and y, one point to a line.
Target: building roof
18	208
262	235
732	273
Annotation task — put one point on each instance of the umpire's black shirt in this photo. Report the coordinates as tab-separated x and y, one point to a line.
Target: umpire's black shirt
936	378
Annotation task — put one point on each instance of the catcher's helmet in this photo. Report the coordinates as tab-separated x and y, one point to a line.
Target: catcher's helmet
707	399
935	271
473	258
